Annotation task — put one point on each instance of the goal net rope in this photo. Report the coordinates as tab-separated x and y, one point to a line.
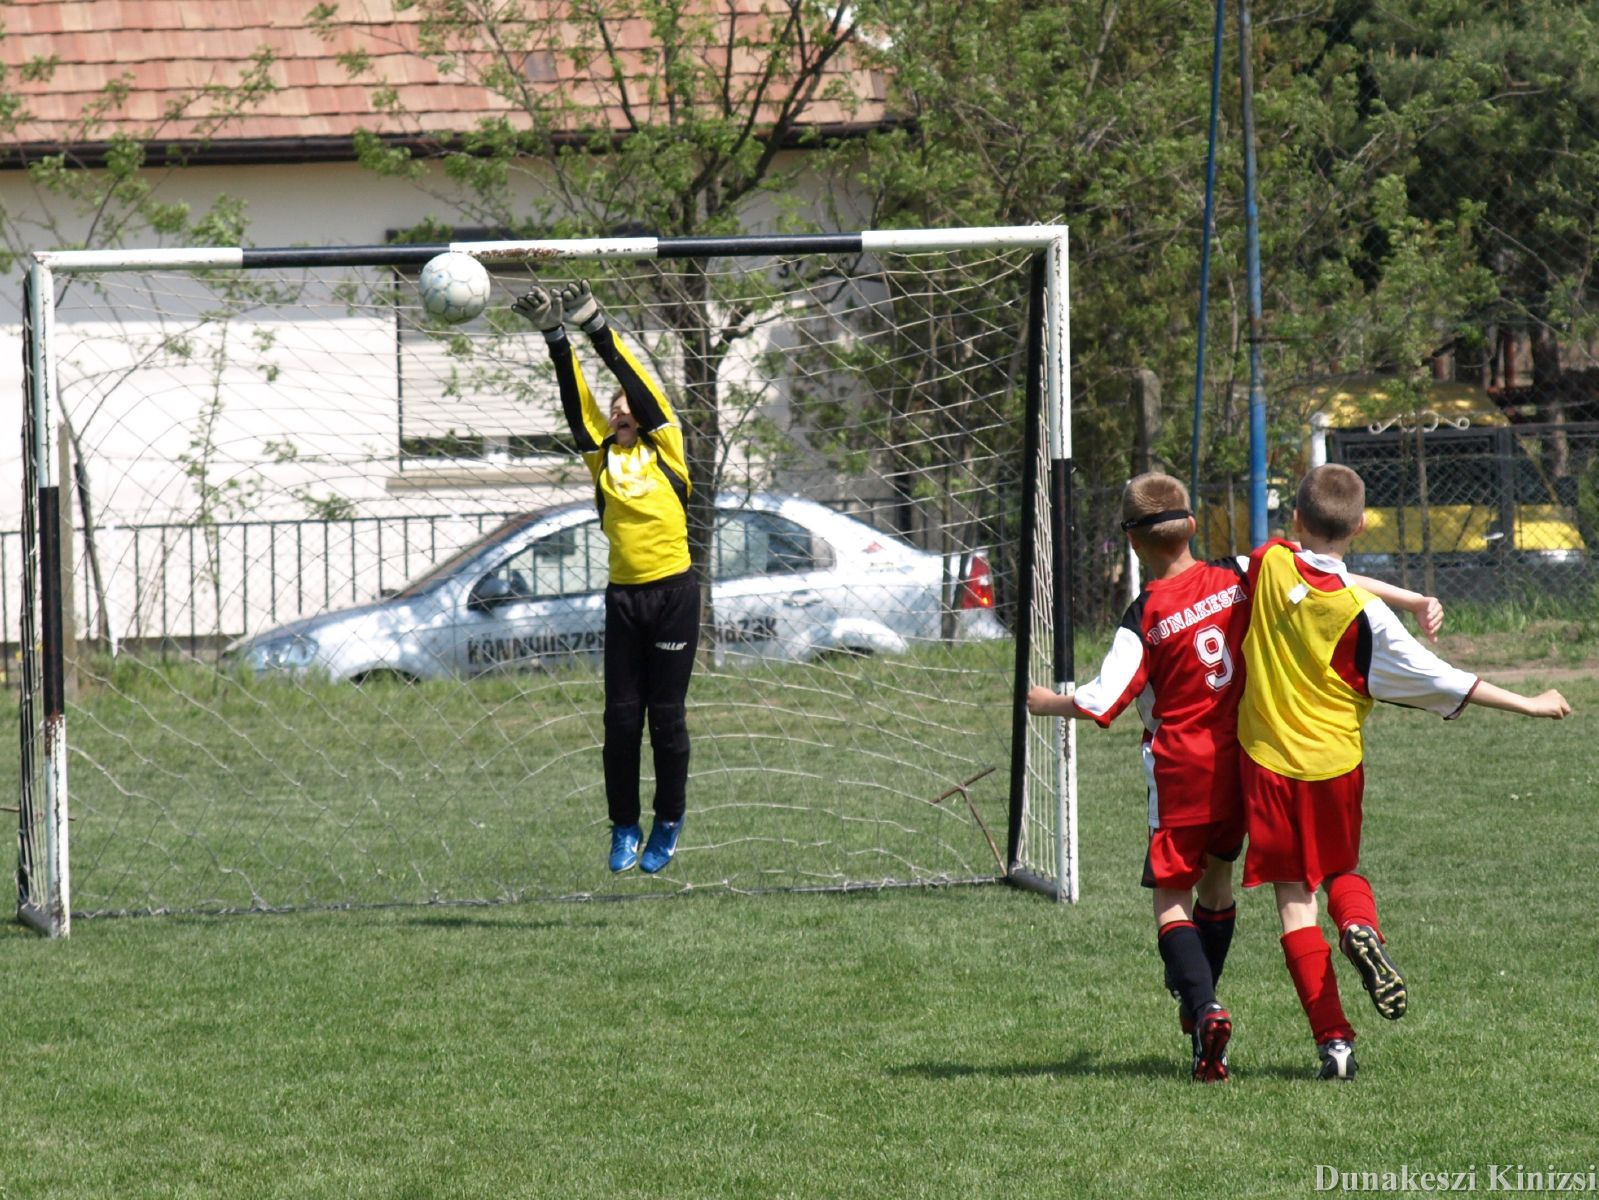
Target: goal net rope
223	444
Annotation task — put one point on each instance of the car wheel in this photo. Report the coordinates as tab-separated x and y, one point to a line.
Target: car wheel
383	678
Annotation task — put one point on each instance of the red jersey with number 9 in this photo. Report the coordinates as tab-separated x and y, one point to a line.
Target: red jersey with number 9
1179	653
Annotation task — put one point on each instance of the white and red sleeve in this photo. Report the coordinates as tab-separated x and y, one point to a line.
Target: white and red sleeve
1122	677
1403	671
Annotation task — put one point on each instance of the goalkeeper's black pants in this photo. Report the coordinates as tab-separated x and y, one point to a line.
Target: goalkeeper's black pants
652	633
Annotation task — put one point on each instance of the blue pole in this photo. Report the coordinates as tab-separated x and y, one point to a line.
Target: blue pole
1257	387
1204	257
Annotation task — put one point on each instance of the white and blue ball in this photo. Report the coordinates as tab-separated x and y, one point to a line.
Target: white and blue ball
454	286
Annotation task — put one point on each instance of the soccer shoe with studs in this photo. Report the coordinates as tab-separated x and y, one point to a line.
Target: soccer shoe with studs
625	840
662	845
1337	1059
1211	1034
1386	986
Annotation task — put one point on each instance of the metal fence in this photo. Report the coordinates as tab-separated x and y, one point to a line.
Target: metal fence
1488	514
186	590
176	589
1491	515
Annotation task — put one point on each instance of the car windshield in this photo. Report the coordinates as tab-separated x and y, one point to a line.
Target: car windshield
447	569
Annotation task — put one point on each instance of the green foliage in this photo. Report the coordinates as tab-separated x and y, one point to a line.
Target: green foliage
1428	179
677	140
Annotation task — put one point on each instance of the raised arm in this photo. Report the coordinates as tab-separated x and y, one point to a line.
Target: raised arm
583	416
1428	610
645	397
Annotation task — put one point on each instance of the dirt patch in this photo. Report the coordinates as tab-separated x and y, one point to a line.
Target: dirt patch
1543	650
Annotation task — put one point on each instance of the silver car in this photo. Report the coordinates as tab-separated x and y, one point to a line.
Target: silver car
793	580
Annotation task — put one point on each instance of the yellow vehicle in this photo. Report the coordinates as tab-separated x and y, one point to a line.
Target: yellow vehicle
1449	480
1451	486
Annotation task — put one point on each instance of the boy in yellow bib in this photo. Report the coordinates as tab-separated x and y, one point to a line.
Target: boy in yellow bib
1319	652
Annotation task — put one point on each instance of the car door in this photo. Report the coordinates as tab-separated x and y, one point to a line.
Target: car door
774	596
541	605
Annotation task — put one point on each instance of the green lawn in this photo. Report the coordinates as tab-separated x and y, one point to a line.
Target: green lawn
198	791
944	1042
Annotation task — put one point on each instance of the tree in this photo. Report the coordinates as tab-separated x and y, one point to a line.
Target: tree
1380	215
1514	127
115	200
1097	116
671	116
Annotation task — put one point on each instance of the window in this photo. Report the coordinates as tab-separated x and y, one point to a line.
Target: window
759	543
569	562
455	407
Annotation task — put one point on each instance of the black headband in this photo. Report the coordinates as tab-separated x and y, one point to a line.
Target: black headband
1159	518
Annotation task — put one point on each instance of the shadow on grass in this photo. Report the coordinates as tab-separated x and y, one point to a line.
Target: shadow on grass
1080	1064
461	921
1087	1065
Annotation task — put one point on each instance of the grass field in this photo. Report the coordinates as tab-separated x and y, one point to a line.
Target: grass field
199	791
944	1042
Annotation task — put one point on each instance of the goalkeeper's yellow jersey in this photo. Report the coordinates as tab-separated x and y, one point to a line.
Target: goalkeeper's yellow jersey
1298	716
641	491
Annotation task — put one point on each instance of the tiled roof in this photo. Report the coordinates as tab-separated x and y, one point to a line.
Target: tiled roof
172	50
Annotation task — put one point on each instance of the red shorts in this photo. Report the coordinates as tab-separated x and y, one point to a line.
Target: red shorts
1176	857
1300	831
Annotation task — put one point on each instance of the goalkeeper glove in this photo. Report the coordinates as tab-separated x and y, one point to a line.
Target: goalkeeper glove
543	309
582	307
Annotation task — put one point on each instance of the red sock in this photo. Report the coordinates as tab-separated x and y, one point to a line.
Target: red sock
1350	902
1311	968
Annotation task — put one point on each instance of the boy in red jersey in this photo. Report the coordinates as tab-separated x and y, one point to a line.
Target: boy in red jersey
1321	649
1177	653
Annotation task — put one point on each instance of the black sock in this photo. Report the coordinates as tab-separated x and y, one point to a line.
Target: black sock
1216	935
1187	970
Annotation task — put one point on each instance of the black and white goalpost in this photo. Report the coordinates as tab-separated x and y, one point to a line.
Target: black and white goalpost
221	440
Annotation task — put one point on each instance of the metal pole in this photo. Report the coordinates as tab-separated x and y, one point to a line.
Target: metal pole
1206	237
1257	387
1059	430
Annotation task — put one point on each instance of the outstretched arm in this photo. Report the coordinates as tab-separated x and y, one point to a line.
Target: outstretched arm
1549	704
1121	678
1047	702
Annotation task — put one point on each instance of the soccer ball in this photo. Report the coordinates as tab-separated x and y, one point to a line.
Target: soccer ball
454	287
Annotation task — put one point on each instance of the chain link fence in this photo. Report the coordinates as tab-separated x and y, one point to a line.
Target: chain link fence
1489	515
1498	516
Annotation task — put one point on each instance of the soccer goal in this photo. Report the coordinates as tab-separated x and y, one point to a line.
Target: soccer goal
309	578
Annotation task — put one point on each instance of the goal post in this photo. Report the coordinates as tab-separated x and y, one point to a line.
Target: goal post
43	889
242	463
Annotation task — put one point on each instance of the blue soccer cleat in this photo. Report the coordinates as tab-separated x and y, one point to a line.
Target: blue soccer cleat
661	846
624	846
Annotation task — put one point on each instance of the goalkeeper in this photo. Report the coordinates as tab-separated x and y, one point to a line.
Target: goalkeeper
635	454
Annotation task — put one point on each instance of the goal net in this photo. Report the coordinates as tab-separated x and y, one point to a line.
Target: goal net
313	584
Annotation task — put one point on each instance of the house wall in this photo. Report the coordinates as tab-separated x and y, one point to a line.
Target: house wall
310	204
